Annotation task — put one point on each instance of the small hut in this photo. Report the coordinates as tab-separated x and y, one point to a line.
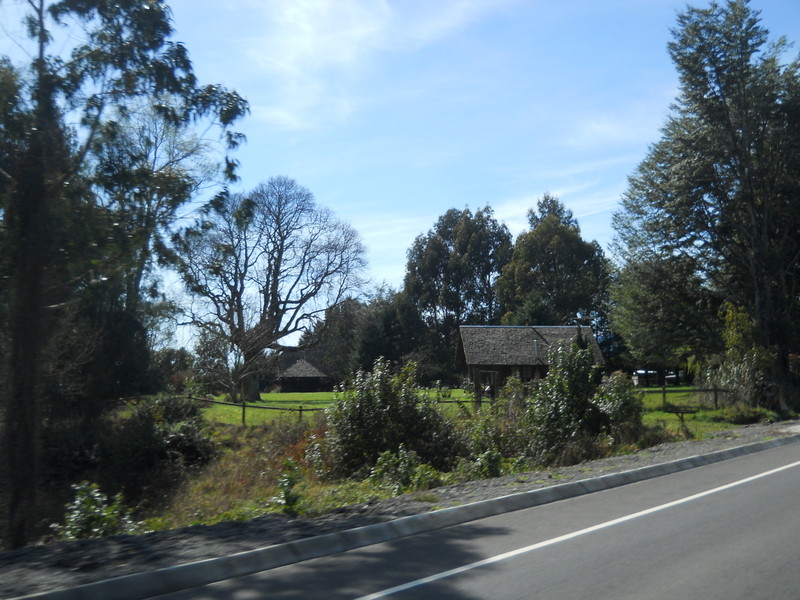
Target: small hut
302	376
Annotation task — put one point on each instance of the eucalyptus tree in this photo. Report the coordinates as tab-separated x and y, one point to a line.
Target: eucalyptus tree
148	167
554	276
86	57
721	186
263	267
451	271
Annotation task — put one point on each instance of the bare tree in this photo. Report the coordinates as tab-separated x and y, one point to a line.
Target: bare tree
264	266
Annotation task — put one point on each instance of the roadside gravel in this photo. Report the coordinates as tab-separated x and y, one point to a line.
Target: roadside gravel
62	565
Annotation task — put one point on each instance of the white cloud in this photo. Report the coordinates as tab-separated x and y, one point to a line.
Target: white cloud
311	54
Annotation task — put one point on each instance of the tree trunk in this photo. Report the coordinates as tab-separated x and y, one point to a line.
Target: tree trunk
250	388
28	223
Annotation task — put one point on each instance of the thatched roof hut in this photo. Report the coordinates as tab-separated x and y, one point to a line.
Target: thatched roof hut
302	376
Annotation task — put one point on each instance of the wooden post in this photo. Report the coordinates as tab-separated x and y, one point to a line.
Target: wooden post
664	395
300	414
244	417
716	397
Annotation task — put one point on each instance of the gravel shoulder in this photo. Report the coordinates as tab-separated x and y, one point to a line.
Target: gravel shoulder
68	564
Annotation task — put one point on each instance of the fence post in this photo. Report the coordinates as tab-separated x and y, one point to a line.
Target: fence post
716	398
244	418
664	396
300	414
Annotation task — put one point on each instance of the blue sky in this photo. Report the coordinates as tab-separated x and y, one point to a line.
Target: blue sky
393	111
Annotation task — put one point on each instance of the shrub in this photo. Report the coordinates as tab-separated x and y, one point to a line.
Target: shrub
403	472
91	515
515	394
507	435
380	411
489	464
288	497
565	421
156	445
622	407
574	416
743	373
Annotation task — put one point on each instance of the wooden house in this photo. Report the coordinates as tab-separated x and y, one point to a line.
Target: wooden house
492	354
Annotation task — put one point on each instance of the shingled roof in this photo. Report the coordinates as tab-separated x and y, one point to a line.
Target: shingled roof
303	368
519	345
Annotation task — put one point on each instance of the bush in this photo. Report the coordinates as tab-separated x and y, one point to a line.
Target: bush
380	411
565	421
744	375
91	515
403	472
622	407
288	497
161	440
574	416
507	435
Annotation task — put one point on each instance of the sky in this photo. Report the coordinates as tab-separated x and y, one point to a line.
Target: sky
394	111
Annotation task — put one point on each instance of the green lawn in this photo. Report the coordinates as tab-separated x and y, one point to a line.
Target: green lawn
272	407
277	406
699	425
283	406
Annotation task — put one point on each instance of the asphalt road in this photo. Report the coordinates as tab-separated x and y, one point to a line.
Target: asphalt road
727	530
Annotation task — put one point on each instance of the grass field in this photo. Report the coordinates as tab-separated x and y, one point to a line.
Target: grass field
278	406
283	406
705	421
271	408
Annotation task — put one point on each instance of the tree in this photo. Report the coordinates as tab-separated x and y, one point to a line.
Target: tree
148	166
393	329
452	270
549	205
664	312
554	276
60	106
330	343
720	188
264	266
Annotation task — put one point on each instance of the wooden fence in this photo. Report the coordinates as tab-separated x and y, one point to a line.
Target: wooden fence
665	392
244	406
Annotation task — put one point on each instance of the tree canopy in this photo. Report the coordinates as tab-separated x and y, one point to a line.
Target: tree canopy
264	266
554	276
720	188
89	61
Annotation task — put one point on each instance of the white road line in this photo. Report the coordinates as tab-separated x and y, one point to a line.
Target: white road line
569	536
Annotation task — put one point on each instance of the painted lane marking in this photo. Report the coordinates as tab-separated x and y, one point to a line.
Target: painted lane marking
568	536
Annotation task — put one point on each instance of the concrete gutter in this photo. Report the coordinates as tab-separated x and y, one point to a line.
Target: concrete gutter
146	584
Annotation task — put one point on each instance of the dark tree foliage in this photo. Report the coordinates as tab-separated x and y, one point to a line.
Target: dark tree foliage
720	188
554	276
451	274
549	205
85	58
664	313
330	345
394	330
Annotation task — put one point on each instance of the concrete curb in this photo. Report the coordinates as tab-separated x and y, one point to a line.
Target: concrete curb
172	579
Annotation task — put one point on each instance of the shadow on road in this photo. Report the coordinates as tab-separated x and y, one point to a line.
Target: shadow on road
363	571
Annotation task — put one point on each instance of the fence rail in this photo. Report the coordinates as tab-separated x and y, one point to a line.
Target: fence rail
665	392
244	406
